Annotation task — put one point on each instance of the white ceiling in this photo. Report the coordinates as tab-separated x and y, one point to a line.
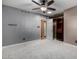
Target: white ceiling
27	5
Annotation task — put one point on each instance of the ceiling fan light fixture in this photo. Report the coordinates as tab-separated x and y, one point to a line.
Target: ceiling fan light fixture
43	8
49	12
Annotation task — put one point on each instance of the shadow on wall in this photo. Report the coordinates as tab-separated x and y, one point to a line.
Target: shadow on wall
28	36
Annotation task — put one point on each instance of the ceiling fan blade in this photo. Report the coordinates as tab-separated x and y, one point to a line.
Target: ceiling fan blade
50	2
51	9
35	8
36	2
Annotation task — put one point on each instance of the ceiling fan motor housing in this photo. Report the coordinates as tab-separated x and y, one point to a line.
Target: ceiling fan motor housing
43	2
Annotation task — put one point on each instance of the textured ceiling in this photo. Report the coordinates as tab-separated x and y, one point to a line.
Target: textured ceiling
27	5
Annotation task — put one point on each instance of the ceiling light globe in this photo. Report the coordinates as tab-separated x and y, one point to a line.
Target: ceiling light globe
49	12
43	8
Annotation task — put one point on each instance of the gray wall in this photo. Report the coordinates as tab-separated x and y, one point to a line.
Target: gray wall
50	29
70	25
26	26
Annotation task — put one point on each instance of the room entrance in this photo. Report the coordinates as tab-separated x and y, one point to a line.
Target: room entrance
58	27
43	29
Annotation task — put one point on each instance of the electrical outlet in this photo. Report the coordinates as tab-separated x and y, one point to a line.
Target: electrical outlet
24	39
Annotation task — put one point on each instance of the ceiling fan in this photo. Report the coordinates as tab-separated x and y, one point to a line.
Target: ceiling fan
44	5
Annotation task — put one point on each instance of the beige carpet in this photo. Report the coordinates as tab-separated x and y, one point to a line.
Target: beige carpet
40	49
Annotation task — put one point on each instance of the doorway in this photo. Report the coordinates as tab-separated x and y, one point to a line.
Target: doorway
43	29
58	27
